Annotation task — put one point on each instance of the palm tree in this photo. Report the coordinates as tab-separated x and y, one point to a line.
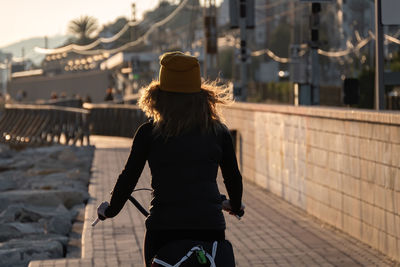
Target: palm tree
83	27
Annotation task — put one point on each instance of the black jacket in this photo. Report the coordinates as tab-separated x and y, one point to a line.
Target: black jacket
184	171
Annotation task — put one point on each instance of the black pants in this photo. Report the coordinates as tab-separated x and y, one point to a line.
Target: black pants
156	239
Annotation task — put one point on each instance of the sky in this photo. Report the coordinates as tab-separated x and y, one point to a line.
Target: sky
22	19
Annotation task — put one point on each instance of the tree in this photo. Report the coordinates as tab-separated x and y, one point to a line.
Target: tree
83	28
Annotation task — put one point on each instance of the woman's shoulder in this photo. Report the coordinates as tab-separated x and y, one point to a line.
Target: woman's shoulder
145	128
221	128
147	125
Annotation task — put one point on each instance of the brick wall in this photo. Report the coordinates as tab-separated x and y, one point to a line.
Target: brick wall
340	165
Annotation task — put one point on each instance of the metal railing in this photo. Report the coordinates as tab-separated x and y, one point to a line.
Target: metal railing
393	101
67	102
114	119
29	125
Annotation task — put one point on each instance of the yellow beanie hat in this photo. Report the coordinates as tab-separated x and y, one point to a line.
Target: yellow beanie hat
179	73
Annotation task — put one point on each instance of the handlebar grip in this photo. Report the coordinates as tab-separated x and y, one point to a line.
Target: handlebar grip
240	213
98	219
95	222
223	197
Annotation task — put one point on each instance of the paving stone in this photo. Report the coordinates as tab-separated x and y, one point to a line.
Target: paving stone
272	232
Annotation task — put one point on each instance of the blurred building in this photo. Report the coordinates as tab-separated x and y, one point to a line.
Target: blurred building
131	70
5	71
63	75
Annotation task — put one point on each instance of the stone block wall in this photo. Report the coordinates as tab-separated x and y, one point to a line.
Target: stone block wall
339	165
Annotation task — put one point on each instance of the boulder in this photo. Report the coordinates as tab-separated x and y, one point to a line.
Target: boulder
27	213
7	183
44	198
75	210
8	232
32	239
22	254
42	191
5	164
59	225
78	174
68	155
28	228
54	181
6	151
21	214
17	230
11	258
22	164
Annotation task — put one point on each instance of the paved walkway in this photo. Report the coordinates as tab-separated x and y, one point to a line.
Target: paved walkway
272	232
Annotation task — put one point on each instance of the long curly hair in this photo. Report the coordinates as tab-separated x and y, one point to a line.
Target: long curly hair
177	113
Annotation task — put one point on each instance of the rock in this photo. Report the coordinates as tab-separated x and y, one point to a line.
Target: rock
14	255
42	191
6	151
5	164
54	181
11	258
8	232
26	213
16	230
45	198
32	239
7	184
67	155
22	164
49	151
30	157
27	228
47	166
78	174
75	210
59	225
11	179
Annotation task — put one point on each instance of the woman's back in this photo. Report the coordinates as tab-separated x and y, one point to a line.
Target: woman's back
184	170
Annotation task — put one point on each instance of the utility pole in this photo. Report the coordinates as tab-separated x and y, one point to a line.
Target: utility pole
315	74
133	6
46	42
243	48
241	14
211	39
379	85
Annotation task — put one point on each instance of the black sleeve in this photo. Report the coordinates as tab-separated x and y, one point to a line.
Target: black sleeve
230	172
129	176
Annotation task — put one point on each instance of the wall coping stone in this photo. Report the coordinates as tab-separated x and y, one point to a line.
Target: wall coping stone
338	113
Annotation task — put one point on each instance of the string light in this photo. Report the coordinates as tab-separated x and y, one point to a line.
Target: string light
392	39
84	50
351	48
271	55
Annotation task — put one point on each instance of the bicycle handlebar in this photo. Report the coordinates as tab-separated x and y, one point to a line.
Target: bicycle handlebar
226	207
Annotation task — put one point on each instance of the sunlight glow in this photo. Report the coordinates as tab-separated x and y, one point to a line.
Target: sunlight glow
48	17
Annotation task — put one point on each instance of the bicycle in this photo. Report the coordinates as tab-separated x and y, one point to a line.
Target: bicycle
204	252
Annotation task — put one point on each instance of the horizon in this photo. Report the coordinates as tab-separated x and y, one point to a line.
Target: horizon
13	29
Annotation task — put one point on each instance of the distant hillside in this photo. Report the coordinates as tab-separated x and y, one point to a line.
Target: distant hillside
29	45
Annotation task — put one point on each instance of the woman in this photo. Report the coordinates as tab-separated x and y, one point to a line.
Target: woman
184	143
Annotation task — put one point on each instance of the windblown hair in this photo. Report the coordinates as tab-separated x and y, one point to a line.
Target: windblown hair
177	113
